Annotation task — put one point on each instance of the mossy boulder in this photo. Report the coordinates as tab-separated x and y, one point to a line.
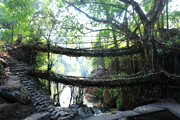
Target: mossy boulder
16	95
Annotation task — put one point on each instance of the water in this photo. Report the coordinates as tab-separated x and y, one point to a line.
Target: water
65	97
74	67
93	105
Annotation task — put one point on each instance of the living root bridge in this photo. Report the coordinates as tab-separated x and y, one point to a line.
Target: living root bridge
107	82
81	52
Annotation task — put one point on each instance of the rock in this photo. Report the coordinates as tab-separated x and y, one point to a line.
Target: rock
65	118
64	113
38	116
15	95
7	95
108	100
3	106
171	107
75	106
3	63
99	72
109	116
147	109
92	91
90	97
15	111
105	116
85	112
12	83
127	113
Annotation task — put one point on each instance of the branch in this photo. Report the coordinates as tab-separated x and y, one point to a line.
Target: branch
156	10
104	4
139	11
166	46
91	30
119	26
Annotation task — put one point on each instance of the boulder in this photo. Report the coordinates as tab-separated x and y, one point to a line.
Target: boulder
15	95
108	100
15	111
85	112
3	63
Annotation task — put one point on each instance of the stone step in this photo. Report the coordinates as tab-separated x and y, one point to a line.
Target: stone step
32	91
21	75
43	103
40	102
23	79
65	118
39	99
19	70
29	84
50	110
56	115
60	114
26	84
19	67
53	112
40	108
36	94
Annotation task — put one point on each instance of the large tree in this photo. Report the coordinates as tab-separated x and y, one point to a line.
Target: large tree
147	28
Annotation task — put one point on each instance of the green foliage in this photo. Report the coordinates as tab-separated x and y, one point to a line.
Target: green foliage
147	4
119	103
174	18
16	18
114	94
41	61
5	36
99	94
43	85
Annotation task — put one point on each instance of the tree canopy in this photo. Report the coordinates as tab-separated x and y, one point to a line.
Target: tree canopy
96	28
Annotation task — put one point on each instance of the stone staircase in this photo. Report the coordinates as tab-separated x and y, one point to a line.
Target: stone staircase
41	102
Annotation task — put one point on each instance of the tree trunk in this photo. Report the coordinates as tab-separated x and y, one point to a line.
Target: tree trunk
49	66
12	32
167	15
148	43
116	59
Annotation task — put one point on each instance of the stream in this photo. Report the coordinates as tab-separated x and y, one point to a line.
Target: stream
74	67
65	97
